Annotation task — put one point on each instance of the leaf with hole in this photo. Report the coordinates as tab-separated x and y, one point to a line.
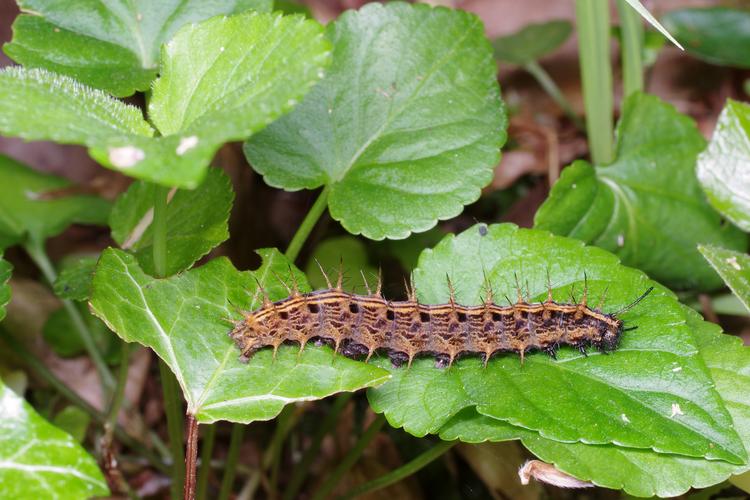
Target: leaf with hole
400	141
36	205
112	46
532	42
638	472
724	167
656	369
38	460
220	80
639	206
197	221
185	319
734	269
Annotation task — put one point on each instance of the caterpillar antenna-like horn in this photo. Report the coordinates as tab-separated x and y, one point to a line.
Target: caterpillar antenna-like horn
634	303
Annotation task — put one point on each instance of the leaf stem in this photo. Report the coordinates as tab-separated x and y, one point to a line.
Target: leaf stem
302	468
235	440
36	251
351	457
632	35
44	373
118	396
207	449
402	472
160	231
548	84
304	230
173	410
596	77
272	458
191	457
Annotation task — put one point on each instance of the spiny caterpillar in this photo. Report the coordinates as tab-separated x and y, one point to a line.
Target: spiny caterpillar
360	325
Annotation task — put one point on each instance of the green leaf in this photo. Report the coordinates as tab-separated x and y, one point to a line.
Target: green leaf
718	35
639	472
38	460
30	207
221	80
574	398
334	252
74	280
639	206
61	335
74	421
196	221
112	46
401	141
532	43
5	270
734	269
724	167
184	320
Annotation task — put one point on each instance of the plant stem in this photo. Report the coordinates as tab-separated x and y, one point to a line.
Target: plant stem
191	457
632	35
44	373
272	458
160	231
402	472
118	396
235	440
207	448
349	460
549	86
36	251
302	468
292	252
173	410
596	77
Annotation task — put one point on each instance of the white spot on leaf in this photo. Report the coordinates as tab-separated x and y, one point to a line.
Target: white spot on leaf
125	156
732	261
676	410
186	144
625	418
547	473
620	240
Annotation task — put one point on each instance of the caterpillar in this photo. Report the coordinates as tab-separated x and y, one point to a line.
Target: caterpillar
360	325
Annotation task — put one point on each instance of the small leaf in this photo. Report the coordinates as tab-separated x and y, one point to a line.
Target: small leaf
5	270
74	280
719	35
226	78
401	141
724	167
532	43
61	335
734	269
640	472
184	319
74	421
574	398
335	252
30	207
639	206
110	46
196	221
38	460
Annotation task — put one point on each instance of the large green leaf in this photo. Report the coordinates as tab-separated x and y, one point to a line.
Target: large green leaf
724	167
221	80
184	320
196	221
638	472
640	205
405	129
734	269
113	45
5	270
719	35
30	208
532	42
38	460
655	371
